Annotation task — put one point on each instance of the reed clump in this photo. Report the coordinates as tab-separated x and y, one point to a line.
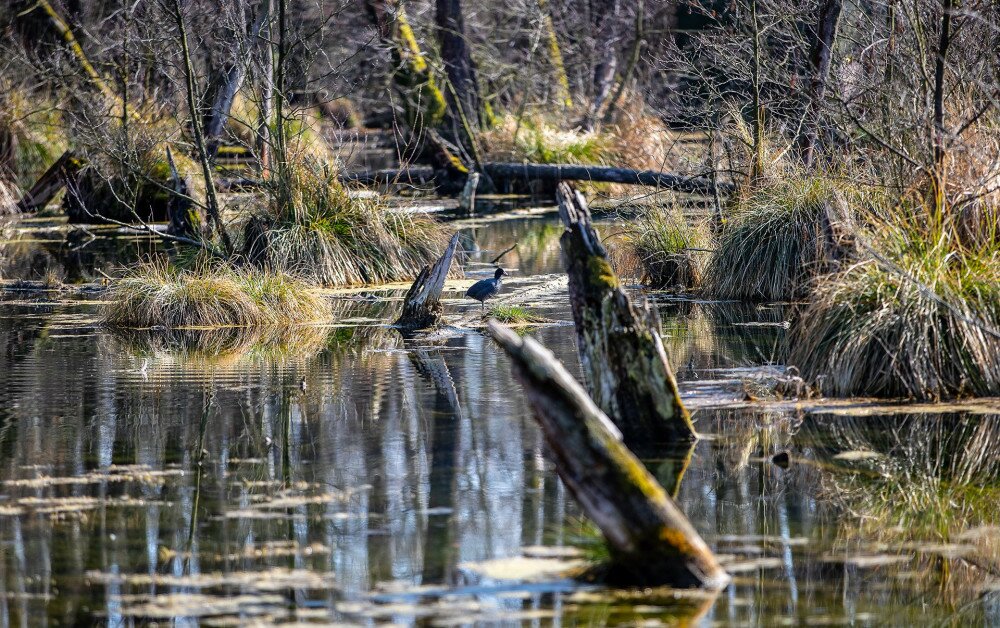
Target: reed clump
662	249
919	318
781	236
315	228
156	294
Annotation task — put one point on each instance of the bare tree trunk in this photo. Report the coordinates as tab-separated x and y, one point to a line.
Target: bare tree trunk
555	56
458	64
940	63
606	44
651	540
822	56
199	139
422	305
265	78
425	103
633	60
623	359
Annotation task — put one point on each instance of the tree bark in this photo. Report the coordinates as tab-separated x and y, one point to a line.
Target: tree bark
606	46
555	56
464	96
500	171
623	360
651	541
940	63
822	56
422	305
51	181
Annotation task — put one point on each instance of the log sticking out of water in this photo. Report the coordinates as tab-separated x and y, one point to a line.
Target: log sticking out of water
49	184
623	359
651	541
422	305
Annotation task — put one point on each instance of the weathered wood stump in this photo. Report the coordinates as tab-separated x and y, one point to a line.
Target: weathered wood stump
651	541
422	305
624	364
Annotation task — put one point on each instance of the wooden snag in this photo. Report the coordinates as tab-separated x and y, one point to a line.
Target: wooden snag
651	541
422	305
624	363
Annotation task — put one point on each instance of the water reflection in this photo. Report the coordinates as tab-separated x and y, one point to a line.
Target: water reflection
359	477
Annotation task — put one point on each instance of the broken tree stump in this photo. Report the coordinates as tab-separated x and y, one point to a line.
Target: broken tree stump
651	541
624	363
52	180
422	305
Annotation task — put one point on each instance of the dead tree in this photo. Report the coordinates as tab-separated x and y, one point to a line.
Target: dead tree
465	105
606	30
623	359
422	305
50	183
822	56
651	541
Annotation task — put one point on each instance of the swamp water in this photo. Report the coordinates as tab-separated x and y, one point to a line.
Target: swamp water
344	475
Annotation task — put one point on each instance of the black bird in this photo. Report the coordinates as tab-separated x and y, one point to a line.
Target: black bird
486	288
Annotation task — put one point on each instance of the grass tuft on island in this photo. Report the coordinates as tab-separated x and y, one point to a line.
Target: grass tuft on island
156	294
920	318
319	230
780	238
515	314
661	249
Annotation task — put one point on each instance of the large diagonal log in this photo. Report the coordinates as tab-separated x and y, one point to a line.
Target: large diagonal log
50	183
422	305
651	541
624	363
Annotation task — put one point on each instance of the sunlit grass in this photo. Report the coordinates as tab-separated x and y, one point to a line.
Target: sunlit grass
919	318
661	249
329	235
514	314
159	295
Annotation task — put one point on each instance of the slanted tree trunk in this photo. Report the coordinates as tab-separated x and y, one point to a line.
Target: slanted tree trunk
651	541
422	305
822	56
52	180
638	41
623	359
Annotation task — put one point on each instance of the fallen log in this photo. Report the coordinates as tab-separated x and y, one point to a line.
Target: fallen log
605	174
52	180
422	305
651	541
624	363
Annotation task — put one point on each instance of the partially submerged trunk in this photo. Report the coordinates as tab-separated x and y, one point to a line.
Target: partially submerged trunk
422	305
623	359
651	541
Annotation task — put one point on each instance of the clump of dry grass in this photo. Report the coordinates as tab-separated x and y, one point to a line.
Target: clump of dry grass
536	139
661	249
156	294
330	235
920	318
780	237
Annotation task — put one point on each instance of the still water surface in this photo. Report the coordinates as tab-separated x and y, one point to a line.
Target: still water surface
350	476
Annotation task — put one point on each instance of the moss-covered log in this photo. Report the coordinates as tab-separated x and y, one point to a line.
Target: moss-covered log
624	363
651	541
422	305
